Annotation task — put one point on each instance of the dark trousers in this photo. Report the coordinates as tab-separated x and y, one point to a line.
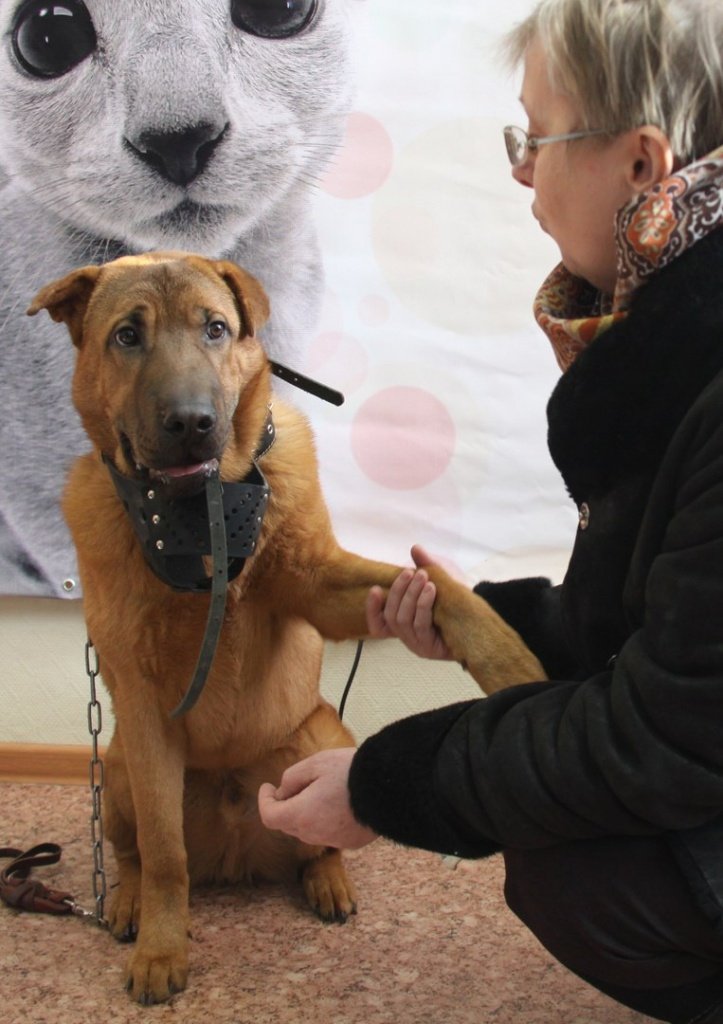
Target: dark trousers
618	913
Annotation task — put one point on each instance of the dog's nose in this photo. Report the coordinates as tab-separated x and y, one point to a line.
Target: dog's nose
180	156
189	422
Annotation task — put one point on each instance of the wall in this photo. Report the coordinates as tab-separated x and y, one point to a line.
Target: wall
46	700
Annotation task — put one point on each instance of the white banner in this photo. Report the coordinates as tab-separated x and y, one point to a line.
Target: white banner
431	256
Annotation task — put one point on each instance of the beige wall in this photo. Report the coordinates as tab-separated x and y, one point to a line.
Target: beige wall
44	686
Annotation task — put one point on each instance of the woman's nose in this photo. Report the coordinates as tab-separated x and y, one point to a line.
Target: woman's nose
523	173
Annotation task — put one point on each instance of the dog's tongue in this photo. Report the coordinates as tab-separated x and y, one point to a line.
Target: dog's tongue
180	472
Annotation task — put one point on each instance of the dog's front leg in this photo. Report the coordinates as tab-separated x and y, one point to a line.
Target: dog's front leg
493	653
154	757
476	635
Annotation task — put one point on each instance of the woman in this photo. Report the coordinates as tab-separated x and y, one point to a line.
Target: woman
604	786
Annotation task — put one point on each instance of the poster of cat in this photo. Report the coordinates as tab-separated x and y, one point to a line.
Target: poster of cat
126	126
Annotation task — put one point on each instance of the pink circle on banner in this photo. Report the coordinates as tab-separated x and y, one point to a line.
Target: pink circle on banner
403	438
363	162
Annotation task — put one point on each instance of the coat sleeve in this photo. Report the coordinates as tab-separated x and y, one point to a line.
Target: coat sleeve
633	750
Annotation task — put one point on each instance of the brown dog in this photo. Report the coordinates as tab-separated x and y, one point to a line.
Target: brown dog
170	381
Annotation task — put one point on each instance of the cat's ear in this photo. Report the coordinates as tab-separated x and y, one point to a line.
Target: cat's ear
67	299
251	299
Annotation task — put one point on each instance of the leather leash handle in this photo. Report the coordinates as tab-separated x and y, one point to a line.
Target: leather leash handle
21	892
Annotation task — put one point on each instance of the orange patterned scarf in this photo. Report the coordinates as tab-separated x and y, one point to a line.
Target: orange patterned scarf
651	231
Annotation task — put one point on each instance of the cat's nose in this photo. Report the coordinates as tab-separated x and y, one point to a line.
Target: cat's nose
181	155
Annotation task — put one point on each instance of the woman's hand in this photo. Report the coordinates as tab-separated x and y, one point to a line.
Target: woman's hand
407	610
312	802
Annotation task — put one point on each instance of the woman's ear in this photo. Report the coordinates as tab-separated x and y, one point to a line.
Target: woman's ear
652	157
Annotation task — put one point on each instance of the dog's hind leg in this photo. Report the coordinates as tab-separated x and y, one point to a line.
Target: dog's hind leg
329	890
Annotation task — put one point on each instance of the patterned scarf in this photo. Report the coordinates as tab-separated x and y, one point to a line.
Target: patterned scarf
651	230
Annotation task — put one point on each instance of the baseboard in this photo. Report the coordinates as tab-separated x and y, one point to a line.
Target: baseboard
42	762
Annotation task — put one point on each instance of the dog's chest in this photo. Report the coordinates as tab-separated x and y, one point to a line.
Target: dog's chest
260	689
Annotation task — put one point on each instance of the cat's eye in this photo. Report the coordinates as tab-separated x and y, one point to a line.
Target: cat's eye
273	19
49	38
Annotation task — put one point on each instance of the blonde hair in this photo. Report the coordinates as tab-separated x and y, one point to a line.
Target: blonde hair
634	62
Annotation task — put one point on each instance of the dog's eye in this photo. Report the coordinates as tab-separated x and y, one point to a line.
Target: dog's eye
126	337
272	19
51	38
216	330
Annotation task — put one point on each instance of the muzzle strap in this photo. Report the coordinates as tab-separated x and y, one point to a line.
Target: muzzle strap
219	588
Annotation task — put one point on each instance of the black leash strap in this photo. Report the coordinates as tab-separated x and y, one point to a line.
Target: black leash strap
350	680
219	587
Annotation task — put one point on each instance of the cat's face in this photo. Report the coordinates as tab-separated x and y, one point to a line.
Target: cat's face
170	124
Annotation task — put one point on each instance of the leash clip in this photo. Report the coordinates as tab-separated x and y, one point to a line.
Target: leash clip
77	911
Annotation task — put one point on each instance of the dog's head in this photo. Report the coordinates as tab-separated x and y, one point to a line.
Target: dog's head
170	375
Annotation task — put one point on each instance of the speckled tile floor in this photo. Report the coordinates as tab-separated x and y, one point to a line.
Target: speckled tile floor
430	945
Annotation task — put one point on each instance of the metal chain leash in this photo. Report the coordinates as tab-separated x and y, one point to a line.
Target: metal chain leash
30	894
97	781
20	891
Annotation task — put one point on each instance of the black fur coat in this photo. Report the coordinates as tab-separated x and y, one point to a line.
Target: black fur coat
627	737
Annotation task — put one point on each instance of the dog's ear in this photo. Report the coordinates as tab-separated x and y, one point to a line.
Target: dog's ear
67	299
251	298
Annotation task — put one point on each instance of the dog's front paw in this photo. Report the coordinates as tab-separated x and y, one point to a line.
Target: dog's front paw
328	888
124	913
154	978
477	637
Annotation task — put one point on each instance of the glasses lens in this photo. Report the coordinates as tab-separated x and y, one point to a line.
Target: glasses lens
516	143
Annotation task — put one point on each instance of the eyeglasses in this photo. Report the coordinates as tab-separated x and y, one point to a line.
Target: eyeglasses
519	143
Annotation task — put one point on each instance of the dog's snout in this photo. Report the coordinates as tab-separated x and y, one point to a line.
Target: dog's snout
189	422
179	156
